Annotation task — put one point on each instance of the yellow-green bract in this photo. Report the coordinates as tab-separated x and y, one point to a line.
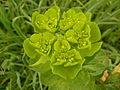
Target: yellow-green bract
62	41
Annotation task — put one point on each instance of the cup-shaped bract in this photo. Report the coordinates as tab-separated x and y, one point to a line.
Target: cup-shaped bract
40	43
63	63
47	21
62	41
62	45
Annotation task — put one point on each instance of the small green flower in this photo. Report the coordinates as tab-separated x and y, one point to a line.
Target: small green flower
71	17
63	63
41	42
62	45
48	21
79	31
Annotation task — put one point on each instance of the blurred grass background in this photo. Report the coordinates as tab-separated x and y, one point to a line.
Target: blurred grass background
15	26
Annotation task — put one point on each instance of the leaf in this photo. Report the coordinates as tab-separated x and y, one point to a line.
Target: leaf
49	79
96	65
81	82
42	67
35	38
39	63
91	84
39	60
95	69
65	72
33	21
88	16
90	51
18	80
34	16
29	49
59	86
99	57
95	32
106	87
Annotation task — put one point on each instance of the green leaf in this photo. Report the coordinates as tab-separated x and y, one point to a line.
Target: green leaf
99	57
34	16
91	51
91	84
65	72
95	32
96	65
35	38
40	64
29	49
88	16
106	87
40	60
95	69
41	68
59	86
49	79
81	82
33	21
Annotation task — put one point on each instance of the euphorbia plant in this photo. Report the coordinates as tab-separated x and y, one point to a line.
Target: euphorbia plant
63	47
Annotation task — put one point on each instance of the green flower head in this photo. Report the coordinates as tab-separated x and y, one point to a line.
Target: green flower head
40	43
47	21
62	42
63	63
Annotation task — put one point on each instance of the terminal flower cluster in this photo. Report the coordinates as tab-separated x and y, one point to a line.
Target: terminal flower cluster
62	41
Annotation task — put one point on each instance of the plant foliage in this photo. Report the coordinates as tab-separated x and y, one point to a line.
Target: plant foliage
61	47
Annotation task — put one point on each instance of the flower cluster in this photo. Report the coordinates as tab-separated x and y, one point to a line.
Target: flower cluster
62	41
